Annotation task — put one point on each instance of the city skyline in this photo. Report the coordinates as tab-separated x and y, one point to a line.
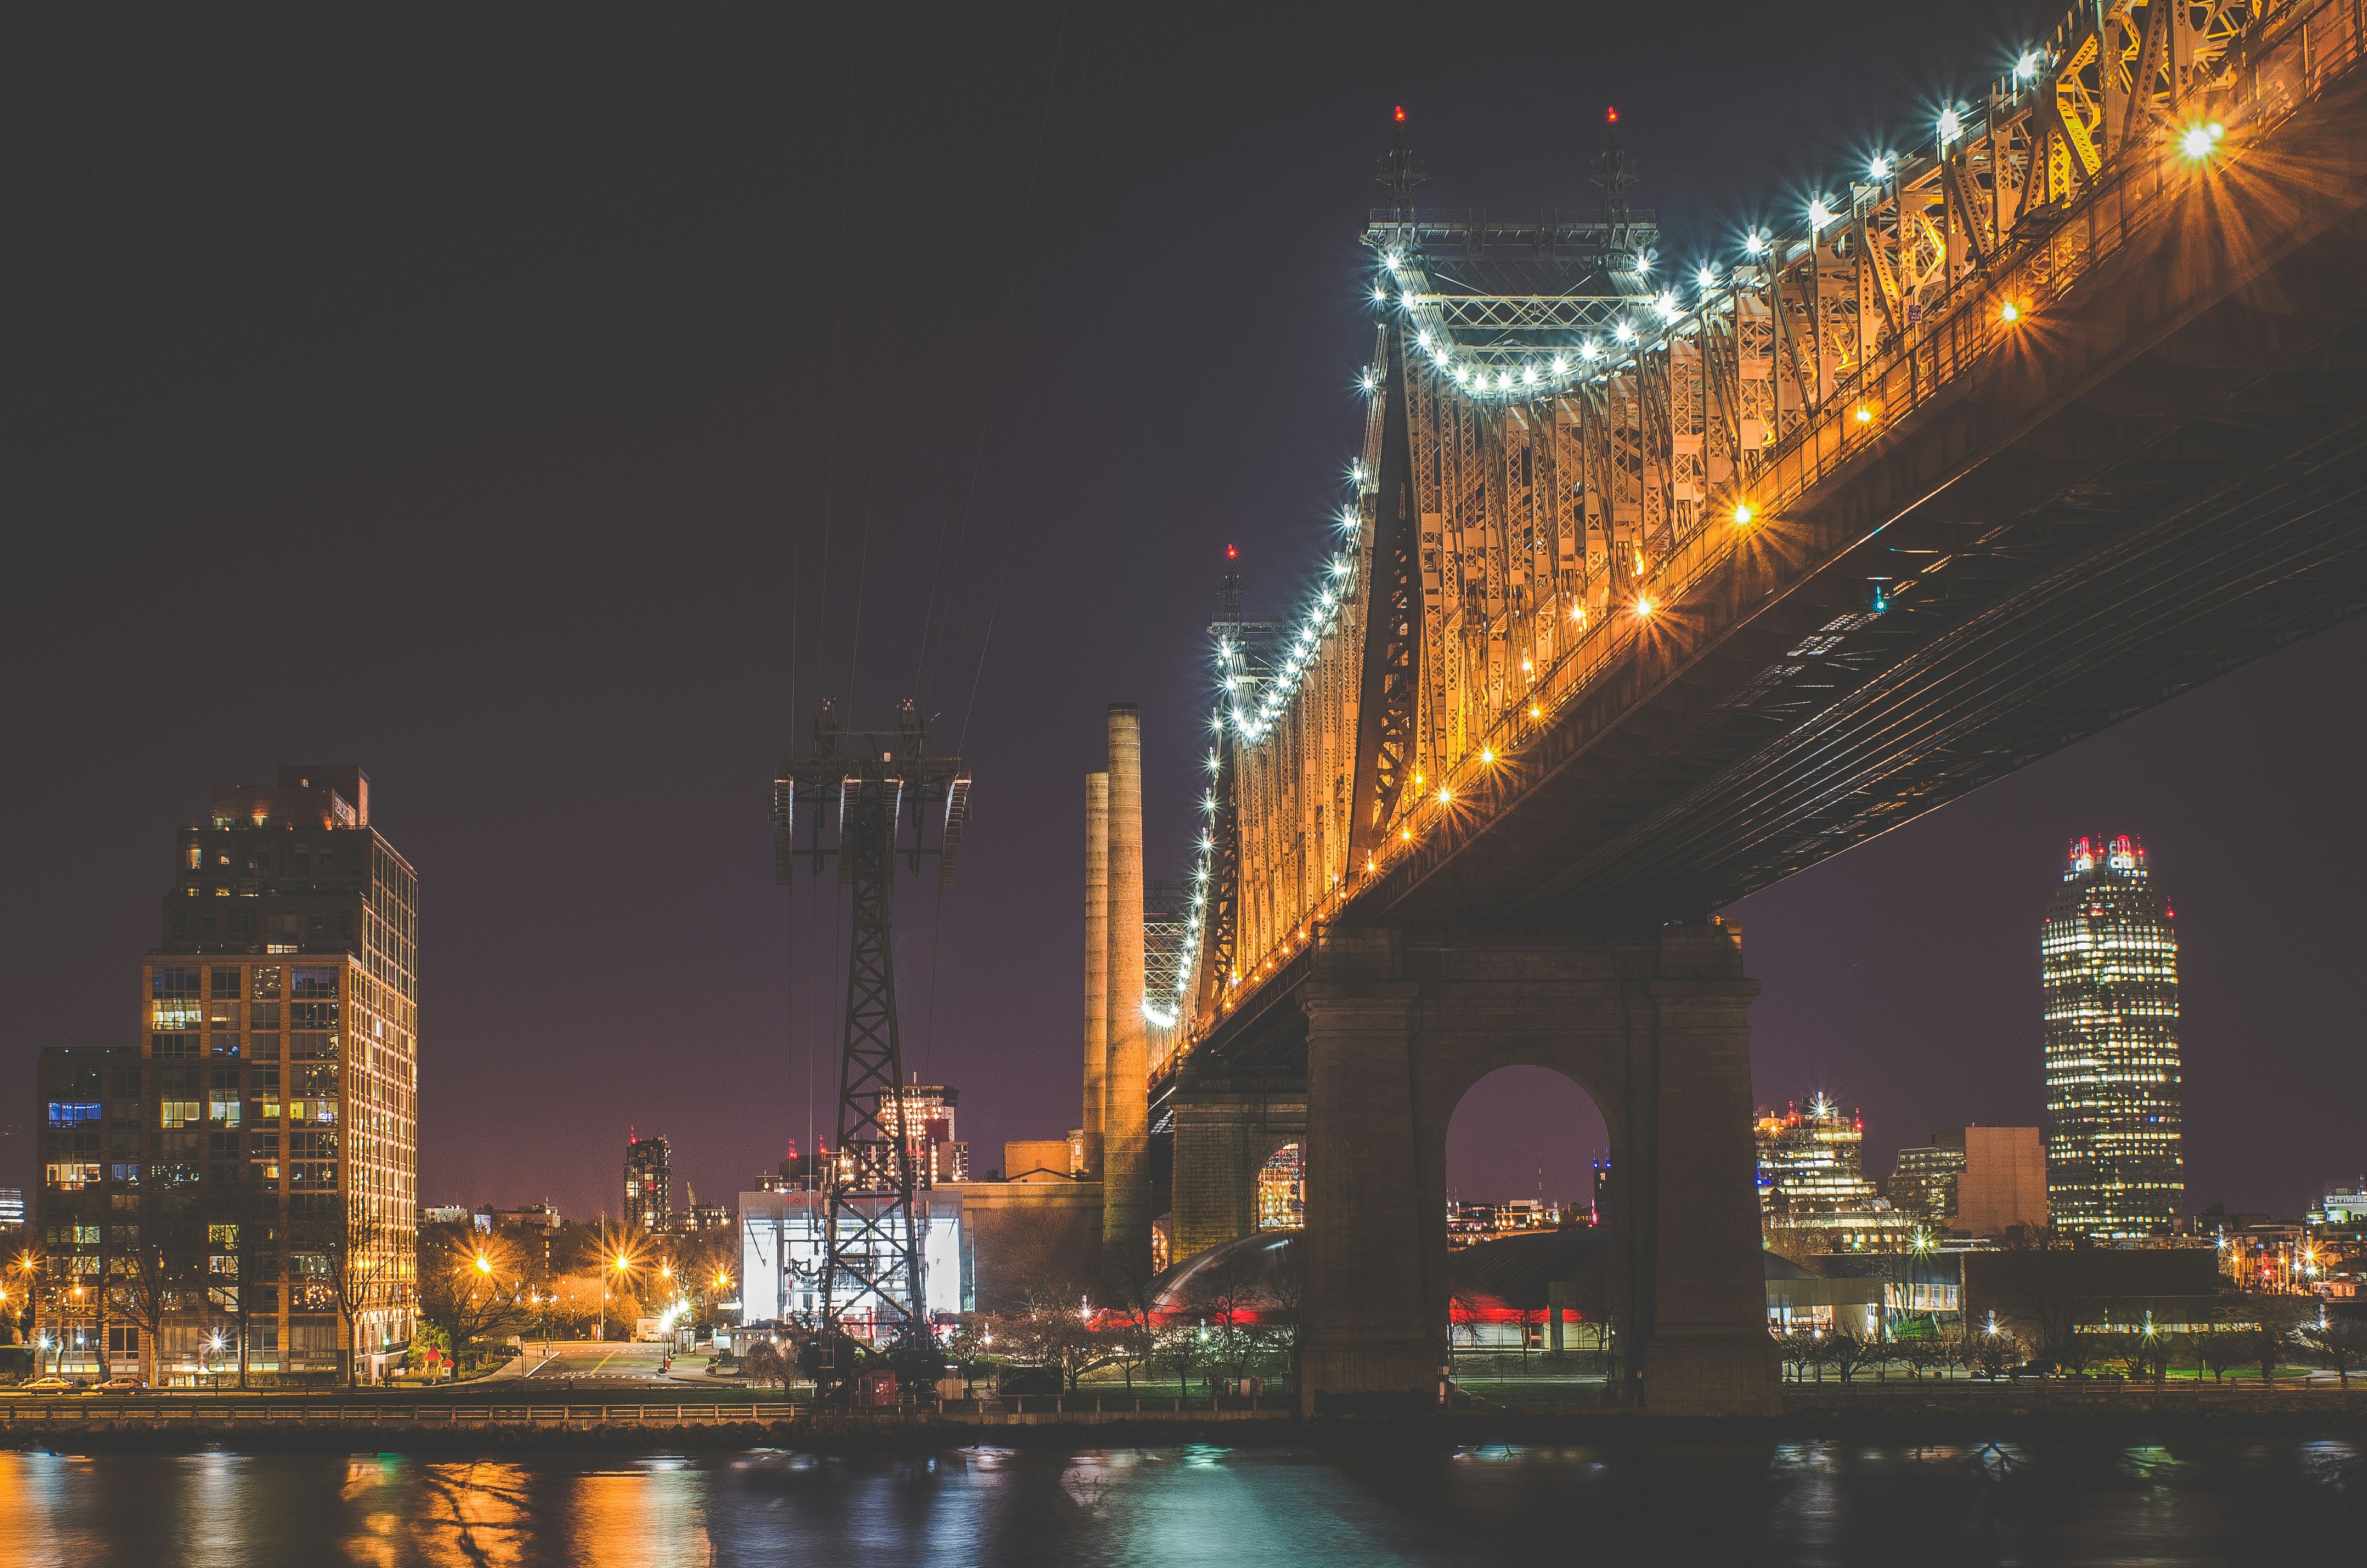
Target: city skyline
576	734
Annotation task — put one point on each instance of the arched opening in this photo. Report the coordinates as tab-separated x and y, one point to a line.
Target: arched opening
1282	1190
1531	1280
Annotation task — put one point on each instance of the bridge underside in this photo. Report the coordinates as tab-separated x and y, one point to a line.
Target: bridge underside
2161	479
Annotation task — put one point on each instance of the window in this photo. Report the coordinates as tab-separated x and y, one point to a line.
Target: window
170	982
67	1113
222	1016
313	1015
308	1266
266	983
179	1113
175	1014
225	985
223	1105
173	1045
125	1173
224	1236
84	1236
315	979
73	1176
305	1047
263	1014
223	1265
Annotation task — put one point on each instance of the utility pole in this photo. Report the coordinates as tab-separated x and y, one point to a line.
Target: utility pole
871	797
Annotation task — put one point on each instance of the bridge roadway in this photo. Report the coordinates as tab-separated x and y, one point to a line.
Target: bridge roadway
2153	476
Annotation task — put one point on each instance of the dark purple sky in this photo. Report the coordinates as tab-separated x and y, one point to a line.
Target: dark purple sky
541	413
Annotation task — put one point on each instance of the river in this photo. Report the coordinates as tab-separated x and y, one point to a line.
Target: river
2058	1501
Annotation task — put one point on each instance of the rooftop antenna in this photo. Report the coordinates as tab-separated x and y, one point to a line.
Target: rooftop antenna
1615	172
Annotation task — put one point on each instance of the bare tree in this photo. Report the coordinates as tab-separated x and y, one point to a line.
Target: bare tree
2340	1342
469	1290
360	1274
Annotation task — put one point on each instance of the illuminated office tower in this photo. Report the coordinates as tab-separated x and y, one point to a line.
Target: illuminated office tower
2109	960
649	1184
246	1179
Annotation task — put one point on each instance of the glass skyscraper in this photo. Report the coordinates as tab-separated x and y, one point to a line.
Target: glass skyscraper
2109	960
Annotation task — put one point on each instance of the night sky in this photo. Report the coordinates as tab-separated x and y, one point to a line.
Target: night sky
543	409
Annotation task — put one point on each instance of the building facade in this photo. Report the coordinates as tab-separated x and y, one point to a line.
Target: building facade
922	1114
649	1184
244	1181
1923	1181
2108	959
781	1235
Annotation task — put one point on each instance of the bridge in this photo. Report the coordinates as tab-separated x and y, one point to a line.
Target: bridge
1656	585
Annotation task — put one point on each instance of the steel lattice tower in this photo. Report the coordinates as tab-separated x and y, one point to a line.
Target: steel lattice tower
887	791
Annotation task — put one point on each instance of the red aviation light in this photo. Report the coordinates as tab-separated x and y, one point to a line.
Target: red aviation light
1400	114
1611	115
1231	553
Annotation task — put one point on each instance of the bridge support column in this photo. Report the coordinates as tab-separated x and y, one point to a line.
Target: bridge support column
1223	1135
1655	1028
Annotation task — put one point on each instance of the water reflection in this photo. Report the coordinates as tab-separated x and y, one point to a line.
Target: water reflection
2057	1500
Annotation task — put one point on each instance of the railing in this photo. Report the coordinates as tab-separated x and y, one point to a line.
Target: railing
454	1414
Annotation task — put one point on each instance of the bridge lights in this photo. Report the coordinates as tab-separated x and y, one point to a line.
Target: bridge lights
1591	351
1951	127
1536	712
1369	380
1446	796
1742	514
2026	68
1819	215
1754	242
1706	277
1624	333
1380	294
1560	365
1645	607
2198	142
1879	170
2008	312
1488	756
1865	413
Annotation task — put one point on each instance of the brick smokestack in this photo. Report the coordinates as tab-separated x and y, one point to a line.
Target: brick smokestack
1096	961
1125	1084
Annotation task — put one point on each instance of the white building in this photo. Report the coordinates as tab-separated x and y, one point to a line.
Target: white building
780	1255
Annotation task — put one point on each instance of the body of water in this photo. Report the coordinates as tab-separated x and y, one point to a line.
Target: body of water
2060	1501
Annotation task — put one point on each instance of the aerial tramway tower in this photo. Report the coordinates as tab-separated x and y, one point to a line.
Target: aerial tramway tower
868	798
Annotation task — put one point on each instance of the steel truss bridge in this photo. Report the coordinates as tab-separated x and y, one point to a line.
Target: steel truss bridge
1655	587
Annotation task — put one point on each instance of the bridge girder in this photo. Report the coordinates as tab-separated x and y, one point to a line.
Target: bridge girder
1582	493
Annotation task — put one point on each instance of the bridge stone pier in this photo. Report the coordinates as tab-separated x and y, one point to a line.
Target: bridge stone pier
1654	1027
1225	1128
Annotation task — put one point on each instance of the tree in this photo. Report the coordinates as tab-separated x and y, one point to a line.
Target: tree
468	1289
1848	1353
763	1363
1996	1351
141	1291
1129	1315
361	1273
2279	1318
2218	1345
2144	1354
2339	1343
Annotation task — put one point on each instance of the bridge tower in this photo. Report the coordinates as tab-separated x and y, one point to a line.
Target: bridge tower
871	798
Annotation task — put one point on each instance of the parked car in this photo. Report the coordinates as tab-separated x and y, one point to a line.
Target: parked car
122	1382
52	1384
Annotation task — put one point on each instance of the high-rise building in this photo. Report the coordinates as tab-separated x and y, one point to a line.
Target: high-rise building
1984	1181
924	1113
2108	958
1811	1161
1923	1181
245	1180
649	1184
12	1208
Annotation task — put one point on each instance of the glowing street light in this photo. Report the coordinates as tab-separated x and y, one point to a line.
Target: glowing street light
2198	142
1950	126
1879	170
2026	68
2008	312
1818	214
1742	514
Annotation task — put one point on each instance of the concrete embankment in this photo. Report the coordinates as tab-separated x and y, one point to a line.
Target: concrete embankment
1930	1414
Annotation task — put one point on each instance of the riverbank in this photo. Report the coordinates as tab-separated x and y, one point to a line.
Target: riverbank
1931	1414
